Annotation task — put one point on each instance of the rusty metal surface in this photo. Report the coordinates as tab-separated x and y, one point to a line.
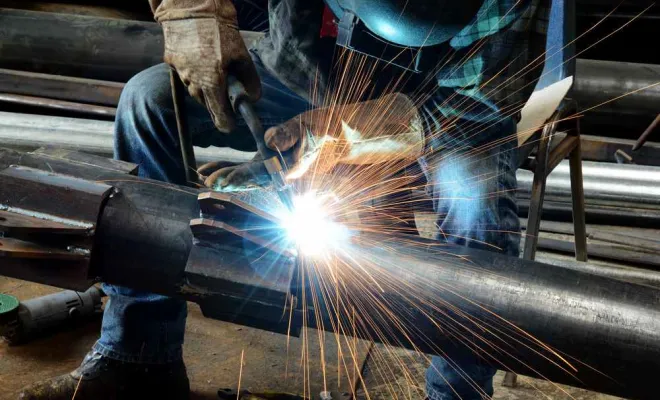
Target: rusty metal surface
61	105
47	223
82	159
90	91
233	204
41	194
15	248
12	223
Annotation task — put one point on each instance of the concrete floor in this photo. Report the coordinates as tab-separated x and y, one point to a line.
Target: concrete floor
213	356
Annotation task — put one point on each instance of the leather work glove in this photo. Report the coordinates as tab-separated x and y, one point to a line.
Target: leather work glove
377	131
205	46
239	176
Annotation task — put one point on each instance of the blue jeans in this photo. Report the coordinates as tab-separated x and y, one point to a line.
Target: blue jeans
472	211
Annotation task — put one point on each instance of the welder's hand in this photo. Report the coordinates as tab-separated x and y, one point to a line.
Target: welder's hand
375	131
239	176
204	51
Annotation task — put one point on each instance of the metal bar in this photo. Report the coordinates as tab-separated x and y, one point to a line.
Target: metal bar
538	189
79	90
577	196
559	152
645	136
185	139
79	108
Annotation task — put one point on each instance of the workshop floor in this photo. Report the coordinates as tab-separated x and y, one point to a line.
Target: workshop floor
213	352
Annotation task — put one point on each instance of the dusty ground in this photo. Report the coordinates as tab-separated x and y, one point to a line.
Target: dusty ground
213	353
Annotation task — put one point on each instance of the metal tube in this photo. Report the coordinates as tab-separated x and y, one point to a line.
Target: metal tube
601	81
28	132
633	185
81	46
79	108
448	297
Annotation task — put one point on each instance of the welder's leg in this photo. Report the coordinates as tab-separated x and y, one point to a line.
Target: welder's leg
474	197
144	327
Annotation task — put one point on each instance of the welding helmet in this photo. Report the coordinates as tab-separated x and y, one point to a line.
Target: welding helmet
397	30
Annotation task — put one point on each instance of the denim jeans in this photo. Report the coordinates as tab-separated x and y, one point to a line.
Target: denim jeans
474	205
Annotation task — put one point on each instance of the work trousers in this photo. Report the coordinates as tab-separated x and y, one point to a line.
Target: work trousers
472	192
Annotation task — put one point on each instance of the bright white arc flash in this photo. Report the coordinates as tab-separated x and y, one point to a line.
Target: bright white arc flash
310	227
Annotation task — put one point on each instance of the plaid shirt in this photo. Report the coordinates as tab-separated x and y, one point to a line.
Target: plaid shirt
490	71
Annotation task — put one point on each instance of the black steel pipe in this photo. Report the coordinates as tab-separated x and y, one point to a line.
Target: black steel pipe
80	46
445	297
607	329
598	82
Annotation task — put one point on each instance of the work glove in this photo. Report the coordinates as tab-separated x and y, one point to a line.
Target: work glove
204	51
376	131
237	176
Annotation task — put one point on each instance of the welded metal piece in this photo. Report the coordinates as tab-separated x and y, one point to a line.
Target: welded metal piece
46	219
238	260
609	330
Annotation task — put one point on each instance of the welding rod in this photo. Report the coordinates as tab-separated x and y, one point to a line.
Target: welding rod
272	159
185	141
645	136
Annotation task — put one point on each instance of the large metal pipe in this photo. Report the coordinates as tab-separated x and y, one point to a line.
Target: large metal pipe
598	323
438	297
80	46
116	50
28	132
598	82
604	183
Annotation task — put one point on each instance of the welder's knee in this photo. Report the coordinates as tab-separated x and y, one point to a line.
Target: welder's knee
475	201
145	98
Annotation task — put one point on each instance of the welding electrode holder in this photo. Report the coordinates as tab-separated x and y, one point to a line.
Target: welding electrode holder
272	159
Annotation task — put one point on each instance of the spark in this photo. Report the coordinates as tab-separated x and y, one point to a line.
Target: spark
310	227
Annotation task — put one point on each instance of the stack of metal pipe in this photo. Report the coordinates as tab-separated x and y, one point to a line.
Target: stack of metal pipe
72	67
622	205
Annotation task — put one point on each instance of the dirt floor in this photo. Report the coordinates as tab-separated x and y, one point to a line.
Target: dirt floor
213	352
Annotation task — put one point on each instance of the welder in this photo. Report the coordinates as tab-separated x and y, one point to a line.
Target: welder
469	58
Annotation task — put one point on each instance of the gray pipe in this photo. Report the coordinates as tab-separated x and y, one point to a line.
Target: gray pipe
28	132
604	183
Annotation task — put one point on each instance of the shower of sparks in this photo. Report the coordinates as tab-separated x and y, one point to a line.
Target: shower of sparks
358	274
